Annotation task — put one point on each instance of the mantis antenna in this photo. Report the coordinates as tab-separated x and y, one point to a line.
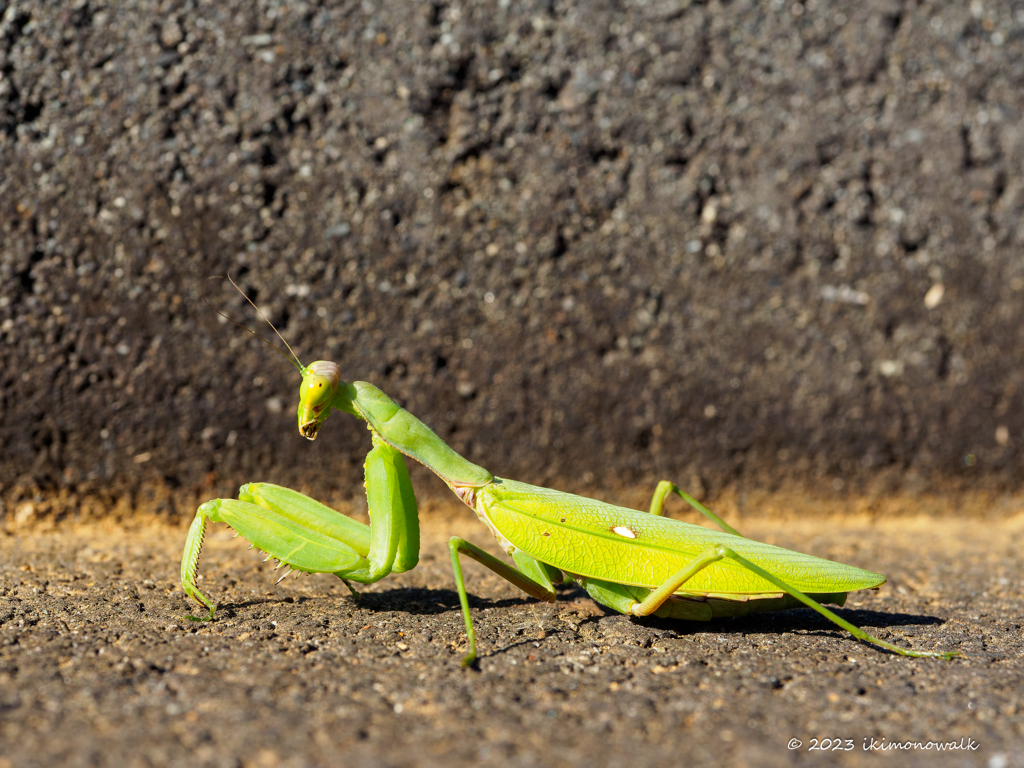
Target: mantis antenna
297	363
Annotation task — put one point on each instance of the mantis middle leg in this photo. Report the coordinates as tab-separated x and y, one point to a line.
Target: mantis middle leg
535	578
666	487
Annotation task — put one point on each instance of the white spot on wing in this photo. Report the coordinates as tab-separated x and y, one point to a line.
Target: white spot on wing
622	530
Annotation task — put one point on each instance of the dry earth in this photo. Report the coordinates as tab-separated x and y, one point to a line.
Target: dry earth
98	667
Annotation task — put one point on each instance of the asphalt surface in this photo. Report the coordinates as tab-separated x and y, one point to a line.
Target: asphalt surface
98	667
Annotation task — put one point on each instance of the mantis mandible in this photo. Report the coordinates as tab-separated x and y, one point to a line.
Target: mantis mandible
637	563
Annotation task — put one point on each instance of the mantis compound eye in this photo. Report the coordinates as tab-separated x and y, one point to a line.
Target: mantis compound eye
315	391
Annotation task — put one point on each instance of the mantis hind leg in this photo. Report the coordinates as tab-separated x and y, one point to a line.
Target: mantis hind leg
658	597
622	598
533	577
857	632
666	487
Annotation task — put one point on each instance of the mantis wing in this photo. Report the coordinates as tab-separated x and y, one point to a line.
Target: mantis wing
601	541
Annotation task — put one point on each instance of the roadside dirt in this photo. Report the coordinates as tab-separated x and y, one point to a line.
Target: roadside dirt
98	667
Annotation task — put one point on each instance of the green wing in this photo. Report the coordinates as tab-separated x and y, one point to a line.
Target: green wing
601	541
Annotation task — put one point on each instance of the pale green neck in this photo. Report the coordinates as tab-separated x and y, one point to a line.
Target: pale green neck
403	431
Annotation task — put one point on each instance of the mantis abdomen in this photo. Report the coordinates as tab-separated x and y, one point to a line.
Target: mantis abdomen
593	539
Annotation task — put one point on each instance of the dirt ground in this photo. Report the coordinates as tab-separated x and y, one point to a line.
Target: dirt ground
98	667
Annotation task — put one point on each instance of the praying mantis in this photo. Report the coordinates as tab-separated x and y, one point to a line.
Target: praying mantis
637	563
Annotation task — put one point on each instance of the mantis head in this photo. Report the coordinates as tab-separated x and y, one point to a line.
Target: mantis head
320	383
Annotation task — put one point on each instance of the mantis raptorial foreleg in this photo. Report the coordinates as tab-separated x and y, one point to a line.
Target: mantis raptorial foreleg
308	536
308	513
394	521
294	545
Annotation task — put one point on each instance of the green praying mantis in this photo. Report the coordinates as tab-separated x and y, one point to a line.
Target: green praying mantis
637	563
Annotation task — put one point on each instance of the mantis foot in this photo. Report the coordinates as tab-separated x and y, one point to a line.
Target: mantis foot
190	617
351	589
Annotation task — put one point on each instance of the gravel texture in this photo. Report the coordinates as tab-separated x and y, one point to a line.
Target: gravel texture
97	666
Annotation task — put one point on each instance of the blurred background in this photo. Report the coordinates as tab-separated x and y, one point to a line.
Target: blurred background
747	246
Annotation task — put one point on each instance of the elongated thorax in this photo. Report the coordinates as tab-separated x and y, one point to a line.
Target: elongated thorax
404	432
